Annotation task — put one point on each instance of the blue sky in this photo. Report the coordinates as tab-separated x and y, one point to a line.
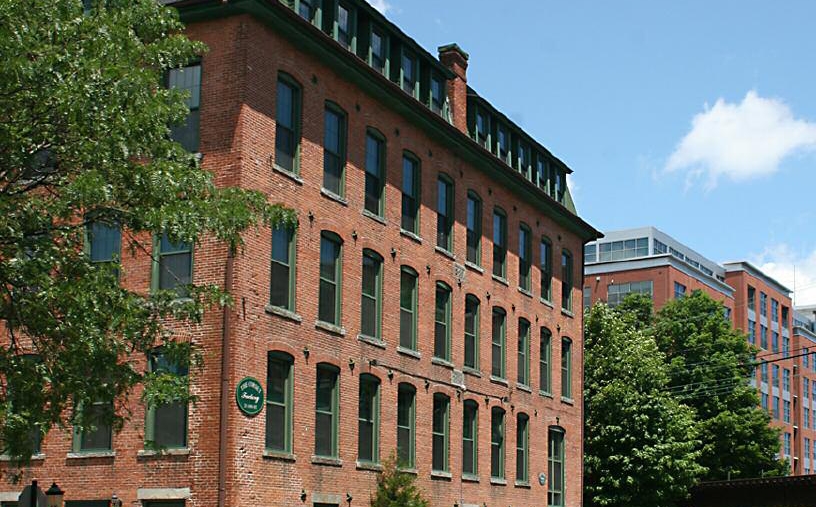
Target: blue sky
697	117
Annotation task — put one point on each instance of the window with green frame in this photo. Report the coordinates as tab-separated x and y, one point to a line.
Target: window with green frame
442	322
497	443
474	228
282	274
187	79
499	243
436	100
330	282
482	132
173	265
566	368
371	295
556	471
541	172
326	410
19	369
441	421
444	213
166	422
98	433
545	362
522	448
374	172
523	365
471	332
566	280
409	73
279	393
525	257
104	245
545	263
368	419
523	159
503	144
345	26
334	149
498	333
408	308
310	10
470	438
406	422
378	50
287	124
410	193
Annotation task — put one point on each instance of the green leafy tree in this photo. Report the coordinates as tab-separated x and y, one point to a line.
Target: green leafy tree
84	137
396	488
641	447
710	364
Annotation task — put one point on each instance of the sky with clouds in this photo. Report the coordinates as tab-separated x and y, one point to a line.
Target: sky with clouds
697	117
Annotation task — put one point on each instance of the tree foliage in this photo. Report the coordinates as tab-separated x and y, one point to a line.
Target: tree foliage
84	137
396	488
641	446
709	367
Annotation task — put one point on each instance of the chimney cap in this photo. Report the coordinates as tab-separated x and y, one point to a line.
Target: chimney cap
453	47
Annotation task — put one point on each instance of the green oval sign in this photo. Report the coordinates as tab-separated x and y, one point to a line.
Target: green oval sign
249	395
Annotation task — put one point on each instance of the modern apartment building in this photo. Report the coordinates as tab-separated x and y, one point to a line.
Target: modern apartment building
648	261
428	304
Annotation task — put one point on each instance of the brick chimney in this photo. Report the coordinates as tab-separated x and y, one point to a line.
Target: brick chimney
454	58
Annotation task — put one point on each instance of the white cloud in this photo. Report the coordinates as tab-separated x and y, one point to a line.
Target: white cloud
795	270
741	141
380	5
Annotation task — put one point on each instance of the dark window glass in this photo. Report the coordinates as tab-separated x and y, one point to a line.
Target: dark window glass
329	291
566	368
279	401
168	423
497	443
474	229
307	9
522	448
371	303
439	458
367	419
471	332
375	158
523	364
105	241
175	265
99	436
470	438
405	425
282	275
410	194
326	411
187	79
287	136
378	51
344	20
555	468
437	94
408	306
408	73
546	269
545	361
525	254
497	366
442	322
483	129
334	150
503	144
499	244
444	214
566	281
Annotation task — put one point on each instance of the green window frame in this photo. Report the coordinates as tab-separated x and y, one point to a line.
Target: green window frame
410	193
310	10
471	332
368	419
374	173
556	469
545	362
371	295
187	79
503	143
406	424
525	257
545	263
499	243
344	28
172	265
408	308
330	286
566	280
409	73
282	269
522	448
442	322
279	396
104	243
523	363
566	368
335	139
378	50
440	433
327	400
444	212
497	443
437	94
166	423
474	228
288	109
523	159
498	342
541	172
482	129
470	438
98	435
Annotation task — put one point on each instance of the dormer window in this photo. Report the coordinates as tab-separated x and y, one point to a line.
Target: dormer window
483	129
378	51
437	94
408	71
344	26
502	143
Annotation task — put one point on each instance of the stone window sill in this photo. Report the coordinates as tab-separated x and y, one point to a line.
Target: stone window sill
325	460
524	387
289	174
368	465
334	197
499	380
470	478
522	484
497	481
472	371
568	401
501	280
444	251
410	235
91	454
545	394
409	352
546	302
474	267
567	313
330	328
179	451
279	455
376	342
34	457
372	216
439	474
412	471
441	362
283	312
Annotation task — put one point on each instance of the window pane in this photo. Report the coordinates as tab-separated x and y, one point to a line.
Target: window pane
333	151
286	125
410	194
471	330
440	433
278	385
474	229
405	426
373	174
499	244
187	79
498	344
408	282
442	322
367	419
325	412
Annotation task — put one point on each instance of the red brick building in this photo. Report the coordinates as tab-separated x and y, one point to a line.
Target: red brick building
649	261
429	303
804	377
